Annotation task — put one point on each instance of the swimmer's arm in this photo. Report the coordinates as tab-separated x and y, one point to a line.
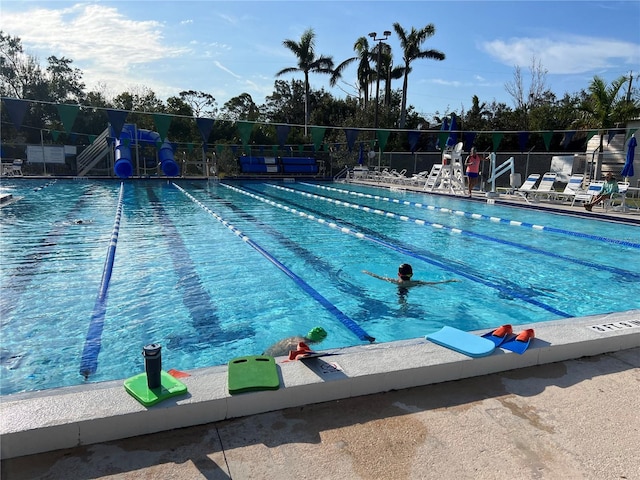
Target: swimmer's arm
380	277
421	282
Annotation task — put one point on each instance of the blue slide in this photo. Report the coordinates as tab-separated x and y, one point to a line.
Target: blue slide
123	167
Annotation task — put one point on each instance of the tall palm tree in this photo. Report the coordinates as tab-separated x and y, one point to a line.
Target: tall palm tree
604	108
307	62
411	44
365	72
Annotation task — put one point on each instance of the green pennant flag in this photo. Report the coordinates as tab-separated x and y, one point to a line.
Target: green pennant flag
442	137
54	135
546	136
190	147
497	138
244	128
274	149
383	136
162	123
92	138
590	134
68	114
317	135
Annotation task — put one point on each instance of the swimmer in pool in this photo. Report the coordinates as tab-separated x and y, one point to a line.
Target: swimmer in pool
404	281
405	272
284	346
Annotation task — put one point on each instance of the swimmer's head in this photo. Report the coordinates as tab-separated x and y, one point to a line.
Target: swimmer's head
405	272
317	334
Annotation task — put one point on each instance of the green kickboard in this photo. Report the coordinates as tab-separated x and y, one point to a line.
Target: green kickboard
252	373
137	387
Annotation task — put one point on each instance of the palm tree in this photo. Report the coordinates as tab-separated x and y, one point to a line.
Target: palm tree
365	72
411	44
604	108
307	62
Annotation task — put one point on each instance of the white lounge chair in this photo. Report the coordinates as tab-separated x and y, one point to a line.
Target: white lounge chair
16	168
617	200
545	188
585	196
528	186
570	190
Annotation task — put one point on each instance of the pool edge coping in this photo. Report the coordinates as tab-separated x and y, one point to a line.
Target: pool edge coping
37	422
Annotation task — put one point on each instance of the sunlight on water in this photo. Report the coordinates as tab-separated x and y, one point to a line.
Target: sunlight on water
216	271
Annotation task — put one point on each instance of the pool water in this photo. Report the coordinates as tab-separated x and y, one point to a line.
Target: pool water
213	271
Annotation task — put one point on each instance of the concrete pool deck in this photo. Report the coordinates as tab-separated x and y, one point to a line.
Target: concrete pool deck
77	417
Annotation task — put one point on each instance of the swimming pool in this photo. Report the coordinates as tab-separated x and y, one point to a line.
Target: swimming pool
94	270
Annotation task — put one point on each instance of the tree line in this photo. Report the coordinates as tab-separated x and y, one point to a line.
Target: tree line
536	108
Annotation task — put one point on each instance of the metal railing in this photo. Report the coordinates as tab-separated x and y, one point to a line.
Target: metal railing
93	154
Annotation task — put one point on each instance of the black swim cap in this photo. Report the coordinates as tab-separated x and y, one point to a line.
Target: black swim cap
405	269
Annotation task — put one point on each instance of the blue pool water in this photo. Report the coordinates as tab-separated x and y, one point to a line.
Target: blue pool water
94	270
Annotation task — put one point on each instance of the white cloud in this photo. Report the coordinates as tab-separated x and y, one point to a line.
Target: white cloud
105	45
569	55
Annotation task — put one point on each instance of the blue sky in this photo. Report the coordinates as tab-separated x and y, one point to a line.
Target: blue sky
227	48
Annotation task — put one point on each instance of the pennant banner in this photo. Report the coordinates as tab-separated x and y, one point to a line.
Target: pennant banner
162	123
244	129
352	135
383	136
413	137
16	109
469	138
317	135
497	138
566	139
205	125
523	138
282	132
68	114
546	137
117	119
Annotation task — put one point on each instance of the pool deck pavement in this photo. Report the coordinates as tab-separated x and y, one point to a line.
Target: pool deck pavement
567	408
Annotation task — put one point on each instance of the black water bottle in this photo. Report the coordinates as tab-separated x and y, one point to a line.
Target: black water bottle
153	364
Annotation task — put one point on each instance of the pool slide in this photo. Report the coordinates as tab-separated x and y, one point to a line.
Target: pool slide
123	167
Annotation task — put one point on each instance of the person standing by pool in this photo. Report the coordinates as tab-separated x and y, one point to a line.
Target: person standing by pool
473	168
609	187
284	346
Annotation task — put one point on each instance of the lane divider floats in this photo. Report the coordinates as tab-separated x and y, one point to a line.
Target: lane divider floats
418	221
458	271
331	308
89	360
479	216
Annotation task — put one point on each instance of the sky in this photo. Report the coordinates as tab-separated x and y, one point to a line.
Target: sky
226	48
